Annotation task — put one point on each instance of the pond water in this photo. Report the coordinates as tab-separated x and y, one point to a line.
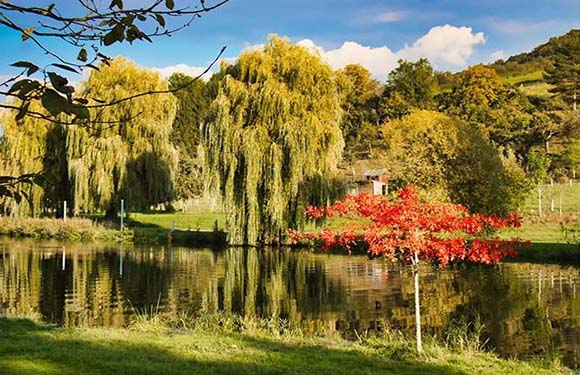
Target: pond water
528	310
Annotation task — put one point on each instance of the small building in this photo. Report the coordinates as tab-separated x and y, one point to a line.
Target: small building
379	180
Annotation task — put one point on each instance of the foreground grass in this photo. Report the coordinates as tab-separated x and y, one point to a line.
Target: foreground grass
28	348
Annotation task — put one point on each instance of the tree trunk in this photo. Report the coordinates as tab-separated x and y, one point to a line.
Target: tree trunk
540	200
112	212
417	304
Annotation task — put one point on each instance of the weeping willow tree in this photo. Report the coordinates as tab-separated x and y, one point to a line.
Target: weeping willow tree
32	146
272	137
125	153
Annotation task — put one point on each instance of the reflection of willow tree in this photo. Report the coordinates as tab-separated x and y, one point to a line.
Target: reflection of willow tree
20	282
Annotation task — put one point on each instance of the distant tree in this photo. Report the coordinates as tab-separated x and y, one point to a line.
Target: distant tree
126	153
410	85
450	160
477	89
564	74
512	120
192	105
360	96
271	138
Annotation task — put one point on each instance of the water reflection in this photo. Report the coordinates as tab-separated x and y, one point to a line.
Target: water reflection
528	310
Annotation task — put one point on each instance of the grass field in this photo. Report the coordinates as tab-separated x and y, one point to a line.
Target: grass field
530	77
198	220
553	196
28	348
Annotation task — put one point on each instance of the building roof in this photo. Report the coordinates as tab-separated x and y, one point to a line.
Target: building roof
374	172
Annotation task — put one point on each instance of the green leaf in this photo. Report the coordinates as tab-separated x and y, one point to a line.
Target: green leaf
117	34
83	55
170	4
65	67
80	112
22	111
27	65
81	101
18	85
160	20
60	83
53	102
116	3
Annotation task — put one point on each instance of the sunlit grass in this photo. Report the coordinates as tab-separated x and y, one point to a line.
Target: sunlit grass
29	348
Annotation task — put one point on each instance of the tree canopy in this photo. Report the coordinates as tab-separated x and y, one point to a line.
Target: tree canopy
126	153
360	96
271	134
410	85
435	152
192	105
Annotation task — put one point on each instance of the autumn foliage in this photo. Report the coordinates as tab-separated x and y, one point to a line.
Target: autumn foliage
401	228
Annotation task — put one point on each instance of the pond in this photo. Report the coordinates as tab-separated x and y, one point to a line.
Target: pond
528	310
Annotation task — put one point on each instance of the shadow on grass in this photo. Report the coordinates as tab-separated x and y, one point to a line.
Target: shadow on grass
540	252
27	348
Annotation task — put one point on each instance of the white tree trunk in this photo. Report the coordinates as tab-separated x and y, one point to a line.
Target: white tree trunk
540	200
417	304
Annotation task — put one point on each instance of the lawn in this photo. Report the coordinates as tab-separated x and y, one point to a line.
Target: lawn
28	348
196	220
530	77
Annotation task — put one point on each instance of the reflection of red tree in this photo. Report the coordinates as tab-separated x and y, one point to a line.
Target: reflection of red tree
411	230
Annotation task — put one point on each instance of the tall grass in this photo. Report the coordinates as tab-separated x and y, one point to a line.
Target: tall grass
71	229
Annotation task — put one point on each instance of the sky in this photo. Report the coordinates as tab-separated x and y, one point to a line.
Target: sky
453	34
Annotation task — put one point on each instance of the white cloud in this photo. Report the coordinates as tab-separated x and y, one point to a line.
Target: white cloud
445	46
389	16
192	71
378	60
497	55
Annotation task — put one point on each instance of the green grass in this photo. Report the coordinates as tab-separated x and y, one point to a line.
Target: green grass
75	229
570	200
28	348
536	89
183	220
530	77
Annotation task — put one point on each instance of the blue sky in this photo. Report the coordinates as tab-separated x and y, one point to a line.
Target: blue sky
452	33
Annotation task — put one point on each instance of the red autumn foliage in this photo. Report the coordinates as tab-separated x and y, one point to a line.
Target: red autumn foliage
401	228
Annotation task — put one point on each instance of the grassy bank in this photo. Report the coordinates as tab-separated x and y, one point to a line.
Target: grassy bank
28	348
75	229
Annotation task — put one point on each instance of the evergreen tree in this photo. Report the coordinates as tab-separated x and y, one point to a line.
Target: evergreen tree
564	74
192	104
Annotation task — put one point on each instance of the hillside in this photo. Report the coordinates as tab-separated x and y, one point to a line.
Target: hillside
526	70
538	59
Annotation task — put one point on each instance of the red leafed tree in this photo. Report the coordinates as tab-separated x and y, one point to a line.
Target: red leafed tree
413	231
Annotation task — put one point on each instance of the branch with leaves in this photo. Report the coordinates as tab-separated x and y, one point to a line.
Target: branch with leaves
89	28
